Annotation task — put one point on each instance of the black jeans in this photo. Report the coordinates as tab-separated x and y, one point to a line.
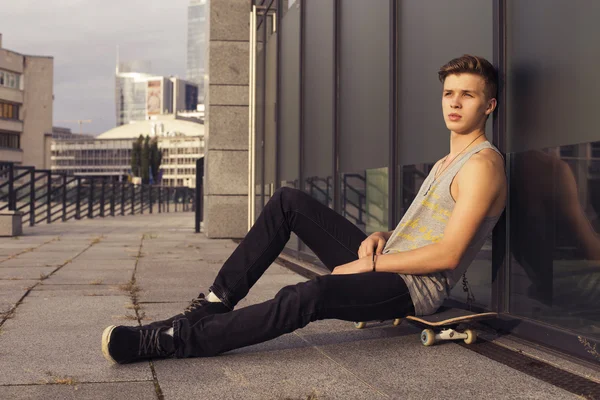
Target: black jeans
335	240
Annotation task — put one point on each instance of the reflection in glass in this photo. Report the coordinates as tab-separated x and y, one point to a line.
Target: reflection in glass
555	246
321	189
364	199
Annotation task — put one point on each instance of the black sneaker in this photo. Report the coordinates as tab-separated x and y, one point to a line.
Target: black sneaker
198	309
125	344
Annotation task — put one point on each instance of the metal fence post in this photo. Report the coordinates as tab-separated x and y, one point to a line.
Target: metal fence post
49	198
102	197
32	198
64	198
91	199
122	198
198	204
159	199
132	199
12	198
168	198
112	198
142	198
78	199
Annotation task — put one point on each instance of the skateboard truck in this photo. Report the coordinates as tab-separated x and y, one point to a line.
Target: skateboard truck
429	337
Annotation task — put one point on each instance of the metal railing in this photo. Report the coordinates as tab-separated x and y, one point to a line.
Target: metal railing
46	196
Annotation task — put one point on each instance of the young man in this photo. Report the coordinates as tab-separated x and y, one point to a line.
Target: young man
386	275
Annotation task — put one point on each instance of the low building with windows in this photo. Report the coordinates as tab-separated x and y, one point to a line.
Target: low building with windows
25	107
180	140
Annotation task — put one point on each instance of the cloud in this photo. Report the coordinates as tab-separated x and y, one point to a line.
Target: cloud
83	35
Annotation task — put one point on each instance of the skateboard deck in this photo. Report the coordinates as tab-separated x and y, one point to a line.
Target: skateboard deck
451	316
445	319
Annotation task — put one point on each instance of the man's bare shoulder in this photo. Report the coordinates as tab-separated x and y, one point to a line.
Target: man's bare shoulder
487	161
485	168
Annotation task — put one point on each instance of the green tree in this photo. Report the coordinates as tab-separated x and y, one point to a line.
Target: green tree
136	156
145	164
155	159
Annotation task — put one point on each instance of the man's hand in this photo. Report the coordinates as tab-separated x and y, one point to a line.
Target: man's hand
364	264
374	243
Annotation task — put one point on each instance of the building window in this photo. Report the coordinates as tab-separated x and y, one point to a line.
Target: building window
10	140
9	110
10	79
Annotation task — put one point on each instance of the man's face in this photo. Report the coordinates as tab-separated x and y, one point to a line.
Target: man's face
465	104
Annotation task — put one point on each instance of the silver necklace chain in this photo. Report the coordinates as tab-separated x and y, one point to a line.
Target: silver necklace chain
439	173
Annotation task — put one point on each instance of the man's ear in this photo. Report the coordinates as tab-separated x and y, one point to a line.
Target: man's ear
492	103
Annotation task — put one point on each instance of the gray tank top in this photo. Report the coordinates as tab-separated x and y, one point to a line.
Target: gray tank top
424	223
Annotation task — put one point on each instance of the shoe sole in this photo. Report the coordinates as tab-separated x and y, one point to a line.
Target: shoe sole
106	341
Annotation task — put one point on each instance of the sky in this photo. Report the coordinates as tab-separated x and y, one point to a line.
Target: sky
83	35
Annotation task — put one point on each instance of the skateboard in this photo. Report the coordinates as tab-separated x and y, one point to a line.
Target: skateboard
443	325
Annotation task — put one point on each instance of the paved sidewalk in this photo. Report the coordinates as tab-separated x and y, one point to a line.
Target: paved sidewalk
73	279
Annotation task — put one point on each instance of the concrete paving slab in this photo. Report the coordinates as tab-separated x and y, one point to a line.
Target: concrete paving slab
75	290
89	276
32	262
24	273
11	292
90	391
47	255
402	366
295	373
62	336
105	265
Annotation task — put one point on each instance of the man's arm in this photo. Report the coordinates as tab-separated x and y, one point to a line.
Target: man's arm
480	182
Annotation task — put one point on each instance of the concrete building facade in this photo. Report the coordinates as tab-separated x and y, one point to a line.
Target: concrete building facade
26	104
226	123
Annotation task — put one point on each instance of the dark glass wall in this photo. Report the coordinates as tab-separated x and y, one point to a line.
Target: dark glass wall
318	99
552	54
364	112
427	40
289	137
335	79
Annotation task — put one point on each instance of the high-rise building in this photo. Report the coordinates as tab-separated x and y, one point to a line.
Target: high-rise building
196	45
26	98
140	95
130	91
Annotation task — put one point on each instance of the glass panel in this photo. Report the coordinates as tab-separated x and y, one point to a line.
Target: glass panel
554	225
318	100
364	84
553	140
289	139
541	114
289	134
423	136
364	199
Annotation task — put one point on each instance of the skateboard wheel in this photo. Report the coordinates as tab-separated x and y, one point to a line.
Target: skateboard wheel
471	336
397	321
360	325
427	337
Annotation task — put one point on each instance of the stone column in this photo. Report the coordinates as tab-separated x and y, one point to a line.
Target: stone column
226	122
